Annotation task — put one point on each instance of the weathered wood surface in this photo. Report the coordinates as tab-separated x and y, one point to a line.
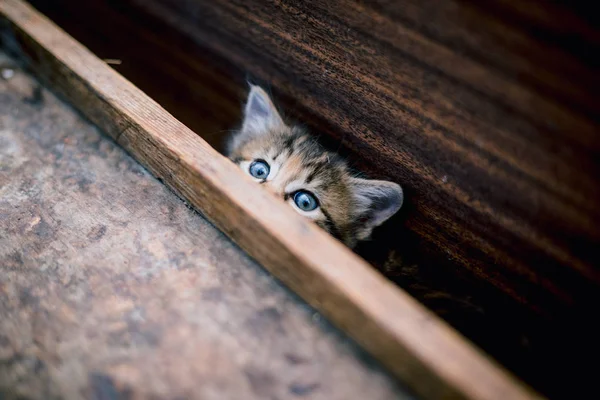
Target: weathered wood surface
111	288
415	345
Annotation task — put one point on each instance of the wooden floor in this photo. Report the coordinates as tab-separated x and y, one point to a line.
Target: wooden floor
111	287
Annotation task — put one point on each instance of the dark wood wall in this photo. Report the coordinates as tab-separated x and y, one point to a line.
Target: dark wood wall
487	112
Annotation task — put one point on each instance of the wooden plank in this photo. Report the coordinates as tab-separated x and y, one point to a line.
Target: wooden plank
416	346
111	285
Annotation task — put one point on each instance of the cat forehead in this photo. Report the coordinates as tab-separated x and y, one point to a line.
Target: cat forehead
285	144
306	151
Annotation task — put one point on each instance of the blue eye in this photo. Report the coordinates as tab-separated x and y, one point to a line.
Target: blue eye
259	169
306	201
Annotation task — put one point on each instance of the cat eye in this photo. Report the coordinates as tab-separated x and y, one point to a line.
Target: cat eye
306	201
259	169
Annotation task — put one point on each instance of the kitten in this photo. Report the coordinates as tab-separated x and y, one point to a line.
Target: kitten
318	184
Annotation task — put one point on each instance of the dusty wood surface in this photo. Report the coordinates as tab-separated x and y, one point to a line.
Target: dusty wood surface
436	60
412	342
110	287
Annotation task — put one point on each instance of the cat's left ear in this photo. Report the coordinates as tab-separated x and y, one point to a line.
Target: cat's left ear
376	201
260	114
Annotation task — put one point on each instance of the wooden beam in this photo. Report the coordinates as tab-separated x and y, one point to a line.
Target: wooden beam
414	344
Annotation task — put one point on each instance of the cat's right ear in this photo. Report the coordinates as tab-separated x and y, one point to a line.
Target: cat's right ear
260	114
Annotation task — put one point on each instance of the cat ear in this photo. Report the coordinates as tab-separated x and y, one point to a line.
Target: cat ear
376	201
260	114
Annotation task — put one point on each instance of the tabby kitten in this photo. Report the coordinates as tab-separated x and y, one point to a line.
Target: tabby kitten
315	182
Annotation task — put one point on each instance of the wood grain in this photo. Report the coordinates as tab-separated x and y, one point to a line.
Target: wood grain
423	351
499	155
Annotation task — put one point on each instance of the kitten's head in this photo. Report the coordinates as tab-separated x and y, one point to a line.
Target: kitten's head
318	184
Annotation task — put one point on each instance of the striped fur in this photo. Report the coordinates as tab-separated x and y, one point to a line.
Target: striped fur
349	207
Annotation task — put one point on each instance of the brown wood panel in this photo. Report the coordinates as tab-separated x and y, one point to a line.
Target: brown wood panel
495	166
518	185
423	351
